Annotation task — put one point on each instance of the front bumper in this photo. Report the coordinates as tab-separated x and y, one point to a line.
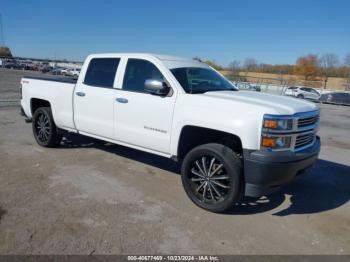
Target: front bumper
266	171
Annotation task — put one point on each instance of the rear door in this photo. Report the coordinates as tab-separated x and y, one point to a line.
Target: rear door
304	92
143	119
94	98
314	94
307	93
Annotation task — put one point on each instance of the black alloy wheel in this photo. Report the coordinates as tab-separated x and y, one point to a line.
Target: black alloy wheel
44	128
211	176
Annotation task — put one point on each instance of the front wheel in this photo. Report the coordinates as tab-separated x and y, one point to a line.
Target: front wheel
211	176
44	128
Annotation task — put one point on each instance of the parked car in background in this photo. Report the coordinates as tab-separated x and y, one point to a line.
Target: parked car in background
254	88
31	66
73	72
64	71
248	86
303	92
56	71
13	64
44	68
336	97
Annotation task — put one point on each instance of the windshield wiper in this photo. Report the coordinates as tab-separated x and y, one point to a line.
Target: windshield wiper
226	89
202	91
198	91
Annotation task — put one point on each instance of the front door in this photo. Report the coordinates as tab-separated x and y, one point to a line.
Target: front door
143	119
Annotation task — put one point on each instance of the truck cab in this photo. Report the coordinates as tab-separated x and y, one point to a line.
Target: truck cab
229	143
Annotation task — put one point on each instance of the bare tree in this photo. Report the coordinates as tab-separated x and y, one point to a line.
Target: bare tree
347	60
250	64
347	63
234	67
327	63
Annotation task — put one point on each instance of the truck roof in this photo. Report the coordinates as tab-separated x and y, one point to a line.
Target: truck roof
159	56
168	60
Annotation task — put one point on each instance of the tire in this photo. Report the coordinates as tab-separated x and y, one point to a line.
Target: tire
44	128
300	96
218	190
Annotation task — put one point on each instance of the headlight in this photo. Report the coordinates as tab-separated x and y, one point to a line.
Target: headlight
276	142
276	132
275	123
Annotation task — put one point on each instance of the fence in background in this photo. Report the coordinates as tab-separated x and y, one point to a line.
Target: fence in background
329	96
332	83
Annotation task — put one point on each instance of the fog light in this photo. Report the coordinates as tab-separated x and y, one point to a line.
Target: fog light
277	142
268	142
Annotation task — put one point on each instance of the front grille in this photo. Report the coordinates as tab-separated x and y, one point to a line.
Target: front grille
307	121
304	140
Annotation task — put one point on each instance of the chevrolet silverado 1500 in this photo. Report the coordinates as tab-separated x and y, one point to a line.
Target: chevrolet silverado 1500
229	142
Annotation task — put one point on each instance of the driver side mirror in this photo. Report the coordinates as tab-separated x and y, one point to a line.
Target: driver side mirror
156	87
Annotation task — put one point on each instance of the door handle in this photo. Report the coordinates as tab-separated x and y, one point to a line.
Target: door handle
80	93
121	100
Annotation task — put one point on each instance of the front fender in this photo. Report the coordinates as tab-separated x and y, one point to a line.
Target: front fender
244	125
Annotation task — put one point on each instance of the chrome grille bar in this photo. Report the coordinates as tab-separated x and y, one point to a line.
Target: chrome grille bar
303	140
302	122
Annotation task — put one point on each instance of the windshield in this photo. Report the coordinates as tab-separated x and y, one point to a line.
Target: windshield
196	80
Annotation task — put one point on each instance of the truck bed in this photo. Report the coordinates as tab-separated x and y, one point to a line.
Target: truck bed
56	90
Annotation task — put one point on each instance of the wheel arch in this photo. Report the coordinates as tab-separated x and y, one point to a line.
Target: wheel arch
192	136
36	103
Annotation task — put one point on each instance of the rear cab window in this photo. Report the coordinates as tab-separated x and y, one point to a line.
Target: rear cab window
101	72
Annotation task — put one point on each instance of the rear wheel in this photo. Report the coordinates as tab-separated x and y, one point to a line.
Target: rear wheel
300	96
44	128
211	176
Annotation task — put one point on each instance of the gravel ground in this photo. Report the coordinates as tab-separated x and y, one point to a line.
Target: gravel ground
91	197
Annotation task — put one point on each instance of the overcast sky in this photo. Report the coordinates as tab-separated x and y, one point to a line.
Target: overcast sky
270	31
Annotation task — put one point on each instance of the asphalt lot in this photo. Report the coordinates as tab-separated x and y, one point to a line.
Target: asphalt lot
91	197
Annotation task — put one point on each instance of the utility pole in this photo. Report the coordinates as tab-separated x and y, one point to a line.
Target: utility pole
2	32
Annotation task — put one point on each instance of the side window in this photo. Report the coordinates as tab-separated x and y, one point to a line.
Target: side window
137	72
101	72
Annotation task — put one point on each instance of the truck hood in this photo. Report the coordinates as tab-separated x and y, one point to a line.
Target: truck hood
280	104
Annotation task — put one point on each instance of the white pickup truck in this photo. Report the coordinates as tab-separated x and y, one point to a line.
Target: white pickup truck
230	143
